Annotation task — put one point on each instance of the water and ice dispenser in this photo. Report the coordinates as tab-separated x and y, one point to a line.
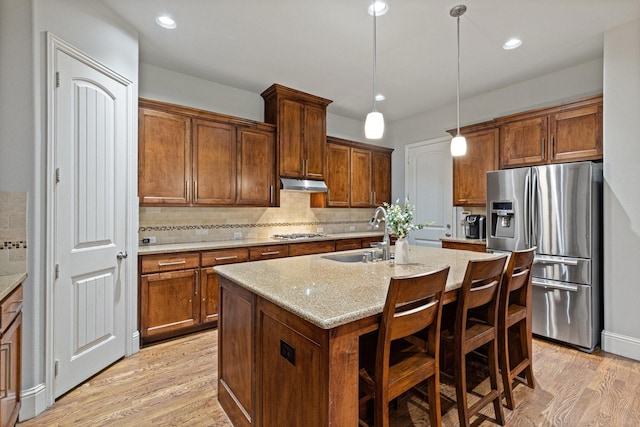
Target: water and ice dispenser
502	219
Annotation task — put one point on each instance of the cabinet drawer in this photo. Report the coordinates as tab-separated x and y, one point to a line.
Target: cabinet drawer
268	252
309	248
475	247
169	262
226	256
11	306
348	244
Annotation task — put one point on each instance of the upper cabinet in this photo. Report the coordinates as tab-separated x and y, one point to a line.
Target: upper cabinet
470	170
300	120
358	175
567	132
190	157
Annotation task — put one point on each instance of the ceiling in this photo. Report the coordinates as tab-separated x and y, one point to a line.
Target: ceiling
325	47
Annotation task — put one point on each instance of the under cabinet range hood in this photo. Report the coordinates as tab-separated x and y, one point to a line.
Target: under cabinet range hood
307	185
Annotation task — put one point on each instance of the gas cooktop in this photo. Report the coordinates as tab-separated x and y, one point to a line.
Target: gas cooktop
298	236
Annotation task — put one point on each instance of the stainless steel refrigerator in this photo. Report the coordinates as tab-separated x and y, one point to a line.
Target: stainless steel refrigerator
558	210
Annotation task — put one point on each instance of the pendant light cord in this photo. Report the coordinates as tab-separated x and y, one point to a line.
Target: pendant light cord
375	14
458	82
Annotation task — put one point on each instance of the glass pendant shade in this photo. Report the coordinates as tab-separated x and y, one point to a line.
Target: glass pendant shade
374	125
458	146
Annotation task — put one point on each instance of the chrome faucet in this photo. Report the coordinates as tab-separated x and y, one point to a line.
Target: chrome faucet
386	242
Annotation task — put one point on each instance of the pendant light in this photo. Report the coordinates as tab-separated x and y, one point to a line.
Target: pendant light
458	143
374	124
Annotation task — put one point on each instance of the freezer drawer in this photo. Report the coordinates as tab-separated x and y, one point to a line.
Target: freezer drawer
565	312
562	269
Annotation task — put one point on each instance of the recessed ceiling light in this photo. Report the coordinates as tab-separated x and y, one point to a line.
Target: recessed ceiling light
380	97
166	21
512	44
381	6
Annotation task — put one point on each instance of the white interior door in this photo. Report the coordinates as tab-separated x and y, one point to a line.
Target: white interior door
429	184
90	197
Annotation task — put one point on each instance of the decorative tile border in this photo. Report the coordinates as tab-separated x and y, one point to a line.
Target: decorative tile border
13	245
230	226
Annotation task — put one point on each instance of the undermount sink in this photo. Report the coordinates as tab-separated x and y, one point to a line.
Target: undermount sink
345	257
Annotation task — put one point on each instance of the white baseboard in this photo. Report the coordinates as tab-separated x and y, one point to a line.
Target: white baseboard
621	345
134	345
33	402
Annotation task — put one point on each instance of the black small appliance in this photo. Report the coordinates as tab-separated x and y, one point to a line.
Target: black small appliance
475	227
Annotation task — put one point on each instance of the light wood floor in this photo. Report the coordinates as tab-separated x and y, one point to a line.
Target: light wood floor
175	384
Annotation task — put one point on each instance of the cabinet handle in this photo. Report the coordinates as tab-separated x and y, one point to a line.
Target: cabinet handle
553	145
165	264
306	167
223	258
271	194
270	253
542	148
302	167
186	190
195	191
197	282
17	310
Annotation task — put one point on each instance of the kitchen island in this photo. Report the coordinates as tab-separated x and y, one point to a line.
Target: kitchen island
289	329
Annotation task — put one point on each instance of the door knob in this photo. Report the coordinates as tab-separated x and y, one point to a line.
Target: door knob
122	255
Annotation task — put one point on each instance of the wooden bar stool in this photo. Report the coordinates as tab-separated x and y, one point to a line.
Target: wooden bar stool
480	291
393	361
514	322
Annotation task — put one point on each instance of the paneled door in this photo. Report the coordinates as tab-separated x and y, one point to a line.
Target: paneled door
428	181
91	134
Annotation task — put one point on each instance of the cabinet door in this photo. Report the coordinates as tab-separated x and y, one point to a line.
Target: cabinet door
169	302
256	167
309	248
523	142
290	136
214	163
470	170
338	175
315	138
381	178
576	134
210	280
164	158
10	368
361	196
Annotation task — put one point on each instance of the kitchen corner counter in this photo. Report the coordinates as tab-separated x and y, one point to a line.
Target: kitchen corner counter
8	282
330	293
229	244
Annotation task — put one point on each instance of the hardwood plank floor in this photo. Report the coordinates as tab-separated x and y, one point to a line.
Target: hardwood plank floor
175	383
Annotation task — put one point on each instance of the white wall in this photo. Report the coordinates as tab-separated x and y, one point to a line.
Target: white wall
621	190
98	32
170	86
563	85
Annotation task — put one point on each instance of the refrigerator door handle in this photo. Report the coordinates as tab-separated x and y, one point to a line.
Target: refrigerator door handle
562	287
534	209
527	211
554	261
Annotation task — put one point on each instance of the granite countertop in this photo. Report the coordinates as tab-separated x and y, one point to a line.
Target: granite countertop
227	244
464	240
8	282
329	293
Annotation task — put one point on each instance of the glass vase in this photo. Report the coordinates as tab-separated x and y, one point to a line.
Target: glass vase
402	251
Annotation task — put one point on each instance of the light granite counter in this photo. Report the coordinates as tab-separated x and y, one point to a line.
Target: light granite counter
330	293
9	282
228	244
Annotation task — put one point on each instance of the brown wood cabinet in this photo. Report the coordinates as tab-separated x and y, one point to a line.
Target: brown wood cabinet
469	171
209	279
300	119
11	357
309	248
358	175
567	132
191	157
258	253
466	246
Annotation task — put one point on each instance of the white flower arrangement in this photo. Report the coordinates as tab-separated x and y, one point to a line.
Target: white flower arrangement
400	218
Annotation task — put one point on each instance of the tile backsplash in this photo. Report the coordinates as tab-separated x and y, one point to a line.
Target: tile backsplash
13	232
186	225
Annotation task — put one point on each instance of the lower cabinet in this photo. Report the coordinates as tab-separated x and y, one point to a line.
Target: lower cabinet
10	358
209	279
465	246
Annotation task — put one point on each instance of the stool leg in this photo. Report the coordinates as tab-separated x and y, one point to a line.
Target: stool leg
527	351
433	388
505	366
461	388
493	375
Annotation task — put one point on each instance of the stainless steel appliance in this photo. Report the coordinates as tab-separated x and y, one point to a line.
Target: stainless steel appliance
475	227
557	209
298	236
